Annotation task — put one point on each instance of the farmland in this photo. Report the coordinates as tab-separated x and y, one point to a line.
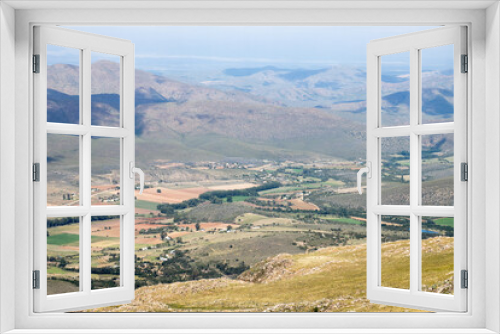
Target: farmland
218	232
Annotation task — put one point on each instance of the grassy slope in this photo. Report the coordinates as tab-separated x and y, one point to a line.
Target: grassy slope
328	280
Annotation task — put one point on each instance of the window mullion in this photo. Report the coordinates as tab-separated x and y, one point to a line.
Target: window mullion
414	169
86	167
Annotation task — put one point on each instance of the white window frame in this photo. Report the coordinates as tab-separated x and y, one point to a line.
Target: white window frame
413	44
85	43
484	49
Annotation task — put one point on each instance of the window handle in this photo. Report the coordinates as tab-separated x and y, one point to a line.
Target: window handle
134	170
368	171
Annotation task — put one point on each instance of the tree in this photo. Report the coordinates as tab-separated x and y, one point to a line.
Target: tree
197	226
229	227
230	199
63	263
158	191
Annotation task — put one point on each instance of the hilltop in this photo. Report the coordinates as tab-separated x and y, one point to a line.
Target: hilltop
331	279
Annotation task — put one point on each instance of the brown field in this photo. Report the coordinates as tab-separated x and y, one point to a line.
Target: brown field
98	228
177	234
169	195
148	240
351	190
301	205
145	211
296	204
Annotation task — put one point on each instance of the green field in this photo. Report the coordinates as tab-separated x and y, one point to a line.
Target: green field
349	221
69	238
63	239
146	205
444	222
59	271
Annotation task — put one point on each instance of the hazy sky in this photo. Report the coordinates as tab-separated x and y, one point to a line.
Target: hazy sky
185	47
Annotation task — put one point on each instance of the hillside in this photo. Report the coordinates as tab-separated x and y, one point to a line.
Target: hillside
262	113
64	78
328	280
173	118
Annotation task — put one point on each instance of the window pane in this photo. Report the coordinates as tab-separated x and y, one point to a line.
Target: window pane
437	170
437	84
395	90
106	171
437	254
105	89
395	252
63	170
63	85
63	255
105	247
395	171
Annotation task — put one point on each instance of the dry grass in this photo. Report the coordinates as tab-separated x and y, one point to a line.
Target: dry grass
329	280
168	195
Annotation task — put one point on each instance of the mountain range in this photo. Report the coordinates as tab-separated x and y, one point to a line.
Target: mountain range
264	113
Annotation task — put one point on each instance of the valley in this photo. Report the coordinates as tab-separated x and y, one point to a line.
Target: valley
250	190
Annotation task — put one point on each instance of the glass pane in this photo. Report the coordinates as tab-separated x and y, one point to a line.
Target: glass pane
395	90
105	89
437	254
395	252
63	255
395	171
63	170
105	171
437	84
63	85
437	170
105	248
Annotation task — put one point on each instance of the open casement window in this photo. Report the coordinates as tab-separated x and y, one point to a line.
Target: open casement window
70	191
409	145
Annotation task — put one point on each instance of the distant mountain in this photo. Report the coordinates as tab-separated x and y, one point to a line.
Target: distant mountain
104	80
327	88
189	122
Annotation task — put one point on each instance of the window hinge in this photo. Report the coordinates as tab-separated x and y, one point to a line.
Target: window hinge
464	167
465	279
36	63
36	279
465	64
36	172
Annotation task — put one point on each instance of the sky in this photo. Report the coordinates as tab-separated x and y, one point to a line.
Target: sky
167	48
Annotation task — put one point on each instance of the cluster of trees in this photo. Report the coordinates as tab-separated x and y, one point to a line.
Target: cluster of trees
163	229
53	222
181	267
251	192
342	211
169	209
216	197
62	261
